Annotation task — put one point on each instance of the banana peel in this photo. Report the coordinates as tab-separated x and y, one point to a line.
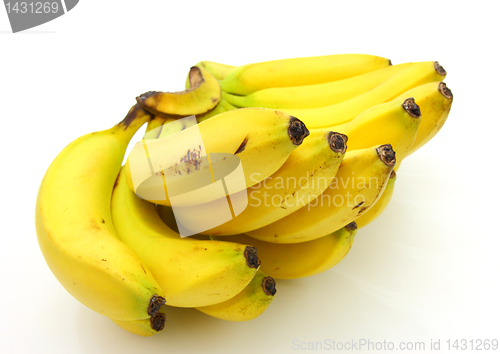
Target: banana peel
203	95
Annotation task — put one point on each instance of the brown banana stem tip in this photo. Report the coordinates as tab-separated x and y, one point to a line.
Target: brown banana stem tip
439	69
155	304
387	154
297	131
393	174
133	114
251	256
445	91
158	321
411	107
351	226
195	77
269	286
337	142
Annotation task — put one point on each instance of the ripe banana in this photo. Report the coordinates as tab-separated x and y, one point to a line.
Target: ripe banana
358	184
261	138
377	208
435	101
202	96
219	71
298	260
191	272
343	112
395	122
312	96
250	303
146	327
75	230
306	174
246	79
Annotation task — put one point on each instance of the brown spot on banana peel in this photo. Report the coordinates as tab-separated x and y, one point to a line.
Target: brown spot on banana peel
393	174
387	155
242	146
132	114
439	69
445	91
297	130
158	321
269	286
412	108
351	226
362	210
358	205
337	142
155	304
251	256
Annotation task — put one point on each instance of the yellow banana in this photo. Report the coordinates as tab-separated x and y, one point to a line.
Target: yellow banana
435	101
343	112
146	327
246	79
250	303
75	230
395	122
312	96
377	208
305	175
298	260
191	273
202	97
358	184
219	71
261	138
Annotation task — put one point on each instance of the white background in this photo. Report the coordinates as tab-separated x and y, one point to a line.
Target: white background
427	269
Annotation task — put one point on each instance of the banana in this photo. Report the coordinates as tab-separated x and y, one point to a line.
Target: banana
75	230
435	101
343	112
395	122
246	79
298	260
312	96
377	208
146	327
358	184
261	138
203	96
305	175
219	71
191	272
250	303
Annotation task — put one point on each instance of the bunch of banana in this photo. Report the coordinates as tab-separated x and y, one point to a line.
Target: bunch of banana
253	172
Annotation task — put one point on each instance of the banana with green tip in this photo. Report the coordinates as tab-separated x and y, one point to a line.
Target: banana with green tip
250	303
191	272
313	96
343	112
76	233
307	172
246	79
298	260
358	184
218	70
377	208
